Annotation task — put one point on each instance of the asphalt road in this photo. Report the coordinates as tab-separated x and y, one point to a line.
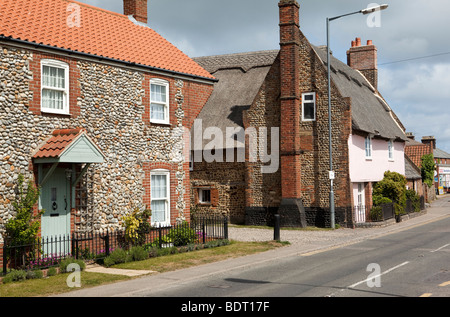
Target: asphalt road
410	263
407	259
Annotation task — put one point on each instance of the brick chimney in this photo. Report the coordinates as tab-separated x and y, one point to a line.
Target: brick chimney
430	140
410	136
136	8
291	205
364	58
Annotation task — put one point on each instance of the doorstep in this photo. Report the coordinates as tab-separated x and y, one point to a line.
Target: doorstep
94	268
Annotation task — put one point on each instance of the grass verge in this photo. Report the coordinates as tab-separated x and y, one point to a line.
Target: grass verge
57	284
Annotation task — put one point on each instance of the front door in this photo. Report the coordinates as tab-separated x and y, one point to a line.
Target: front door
360	208
55	198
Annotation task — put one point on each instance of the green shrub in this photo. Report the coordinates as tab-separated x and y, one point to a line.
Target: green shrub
137	224
51	271
392	187
15	276
116	257
34	274
427	169
376	213
23	228
66	262
415	199
182	235
138	253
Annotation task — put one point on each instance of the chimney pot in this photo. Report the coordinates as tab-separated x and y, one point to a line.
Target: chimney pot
364	59
353	43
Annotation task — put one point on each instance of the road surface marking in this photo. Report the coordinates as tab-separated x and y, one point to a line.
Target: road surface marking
372	277
440	248
426	295
445	284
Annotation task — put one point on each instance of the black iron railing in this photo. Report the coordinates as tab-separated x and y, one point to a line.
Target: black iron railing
46	252
364	214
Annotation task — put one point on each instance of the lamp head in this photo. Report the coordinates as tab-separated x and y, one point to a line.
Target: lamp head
373	9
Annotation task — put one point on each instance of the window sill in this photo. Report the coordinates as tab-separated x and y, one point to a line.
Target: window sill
160	224
45	111
160	123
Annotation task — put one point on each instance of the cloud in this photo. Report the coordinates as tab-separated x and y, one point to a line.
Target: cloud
419	95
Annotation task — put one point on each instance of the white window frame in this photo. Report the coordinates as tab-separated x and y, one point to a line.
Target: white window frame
368	147
164	83
304	101
166	173
61	65
201	197
391	150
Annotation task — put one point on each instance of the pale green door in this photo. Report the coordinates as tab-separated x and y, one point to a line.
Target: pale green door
55	198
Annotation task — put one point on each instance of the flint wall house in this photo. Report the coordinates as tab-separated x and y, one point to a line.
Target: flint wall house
287	88
92	108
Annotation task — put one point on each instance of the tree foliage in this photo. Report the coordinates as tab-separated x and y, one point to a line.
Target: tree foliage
392	187
24	227
428	168
136	226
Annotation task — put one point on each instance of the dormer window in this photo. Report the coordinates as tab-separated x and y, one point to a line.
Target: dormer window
54	87
159	101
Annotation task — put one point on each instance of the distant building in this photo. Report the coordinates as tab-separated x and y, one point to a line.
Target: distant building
287	89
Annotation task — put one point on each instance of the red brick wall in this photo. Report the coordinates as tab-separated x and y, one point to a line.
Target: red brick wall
290	100
364	58
35	84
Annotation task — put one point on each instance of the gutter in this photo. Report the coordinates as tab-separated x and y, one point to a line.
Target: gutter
107	59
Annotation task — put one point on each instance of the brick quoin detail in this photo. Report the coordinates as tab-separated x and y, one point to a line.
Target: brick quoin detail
173	169
290	99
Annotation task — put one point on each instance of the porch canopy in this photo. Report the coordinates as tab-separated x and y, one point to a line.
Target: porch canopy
71	146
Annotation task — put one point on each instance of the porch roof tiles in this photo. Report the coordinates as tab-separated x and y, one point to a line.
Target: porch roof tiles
57	143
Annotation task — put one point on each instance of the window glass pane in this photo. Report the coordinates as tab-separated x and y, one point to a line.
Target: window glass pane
368	147
205	195
159	186
158	112
158	93
308	111
308	97
158	211
52	99
53	77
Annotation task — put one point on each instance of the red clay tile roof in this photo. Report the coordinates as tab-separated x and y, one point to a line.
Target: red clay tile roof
58	142
101	33
416	151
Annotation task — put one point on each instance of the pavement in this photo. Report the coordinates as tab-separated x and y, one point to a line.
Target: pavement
302	243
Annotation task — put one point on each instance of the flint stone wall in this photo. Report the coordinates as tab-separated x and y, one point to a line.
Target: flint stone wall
110	107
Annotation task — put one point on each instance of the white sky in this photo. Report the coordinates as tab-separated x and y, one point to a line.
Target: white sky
417	90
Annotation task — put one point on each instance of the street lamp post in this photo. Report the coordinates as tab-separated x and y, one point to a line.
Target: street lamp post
331	173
